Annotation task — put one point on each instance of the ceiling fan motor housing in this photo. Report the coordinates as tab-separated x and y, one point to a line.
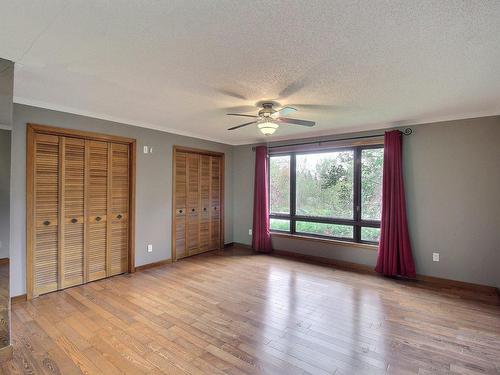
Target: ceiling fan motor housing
267	110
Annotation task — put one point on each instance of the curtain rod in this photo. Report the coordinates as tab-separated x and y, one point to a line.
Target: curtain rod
406	131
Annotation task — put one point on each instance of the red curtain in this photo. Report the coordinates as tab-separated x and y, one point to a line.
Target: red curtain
261	239
394	253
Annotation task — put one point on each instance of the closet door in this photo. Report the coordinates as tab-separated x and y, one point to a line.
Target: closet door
180	186
119	223
215	198
204	203
193	202
46	213
72	215
97	207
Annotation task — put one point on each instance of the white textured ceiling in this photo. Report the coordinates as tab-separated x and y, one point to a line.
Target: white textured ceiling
178	65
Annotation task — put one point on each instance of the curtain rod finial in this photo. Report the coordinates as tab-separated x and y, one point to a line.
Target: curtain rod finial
407	131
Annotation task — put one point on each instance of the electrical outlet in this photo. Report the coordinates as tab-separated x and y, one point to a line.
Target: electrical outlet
150	248
249	232
146	149
435	257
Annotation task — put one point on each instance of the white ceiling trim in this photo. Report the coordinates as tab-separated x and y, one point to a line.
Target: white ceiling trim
101	116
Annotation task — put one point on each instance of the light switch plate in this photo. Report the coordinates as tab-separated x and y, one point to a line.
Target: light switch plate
249	232
435	257
150	248
146	149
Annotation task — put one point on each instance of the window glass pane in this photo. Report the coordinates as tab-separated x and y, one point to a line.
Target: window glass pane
325	184
372	161
280	224
279	184
333	230
370	234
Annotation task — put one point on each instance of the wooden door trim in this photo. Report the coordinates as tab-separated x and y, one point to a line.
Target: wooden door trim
131	207
174	209
221	199
30	209
52	130
177	149
198	151
33	129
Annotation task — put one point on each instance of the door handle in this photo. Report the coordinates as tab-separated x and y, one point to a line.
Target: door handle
74	220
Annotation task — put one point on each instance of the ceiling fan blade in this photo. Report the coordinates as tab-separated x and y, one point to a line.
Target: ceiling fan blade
241	114
296	121
286	110
242	125
293	88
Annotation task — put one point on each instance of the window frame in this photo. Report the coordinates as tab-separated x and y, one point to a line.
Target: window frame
356	222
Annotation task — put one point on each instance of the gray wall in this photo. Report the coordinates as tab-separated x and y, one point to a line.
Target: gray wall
153	184
243	178
4	192
452	176
6	91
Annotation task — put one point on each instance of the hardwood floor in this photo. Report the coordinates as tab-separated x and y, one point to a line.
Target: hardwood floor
238	313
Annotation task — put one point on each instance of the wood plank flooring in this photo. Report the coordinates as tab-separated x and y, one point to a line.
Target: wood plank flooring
238	313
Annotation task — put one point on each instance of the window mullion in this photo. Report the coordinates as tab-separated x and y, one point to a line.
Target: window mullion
293	190
357	193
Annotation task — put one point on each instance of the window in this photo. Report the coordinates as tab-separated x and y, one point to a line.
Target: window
279	183
333	194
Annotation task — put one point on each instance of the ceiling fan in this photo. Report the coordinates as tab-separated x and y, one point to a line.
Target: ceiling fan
269	119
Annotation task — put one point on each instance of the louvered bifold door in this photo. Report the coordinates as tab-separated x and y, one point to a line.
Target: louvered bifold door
215	202
72	215
97	208
119	223
180	186
46	213
193	203
204	203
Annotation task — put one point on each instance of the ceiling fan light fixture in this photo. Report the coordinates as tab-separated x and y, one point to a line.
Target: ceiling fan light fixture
267	127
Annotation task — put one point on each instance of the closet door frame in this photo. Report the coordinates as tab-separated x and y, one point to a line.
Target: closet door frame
33	129
191	150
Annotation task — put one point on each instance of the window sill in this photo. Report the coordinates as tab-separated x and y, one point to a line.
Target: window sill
325	240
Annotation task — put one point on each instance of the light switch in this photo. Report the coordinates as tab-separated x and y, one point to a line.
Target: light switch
150	248
146	149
